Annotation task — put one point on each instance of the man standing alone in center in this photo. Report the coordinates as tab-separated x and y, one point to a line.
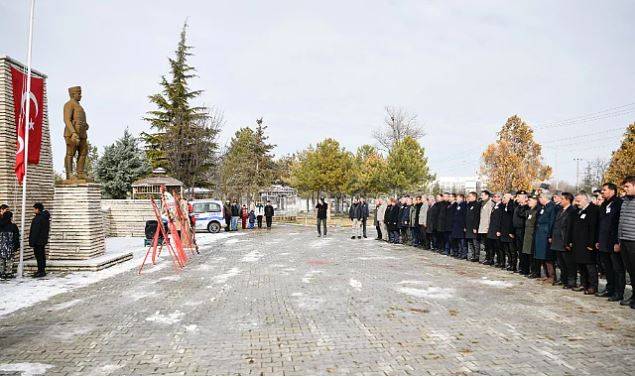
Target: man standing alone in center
355	214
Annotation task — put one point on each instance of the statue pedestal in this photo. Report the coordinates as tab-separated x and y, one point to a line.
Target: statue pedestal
77	236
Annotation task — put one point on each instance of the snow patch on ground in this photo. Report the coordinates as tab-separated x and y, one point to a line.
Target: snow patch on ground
308	277
322	242
415	282
310	303
22	293
252	256
377	258
26	369
222	278
66	305
232	241
496	283
169	319
170	278
297	294
431	292
356	284
191	328
136	296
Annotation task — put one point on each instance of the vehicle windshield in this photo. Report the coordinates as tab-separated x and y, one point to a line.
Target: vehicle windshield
206	207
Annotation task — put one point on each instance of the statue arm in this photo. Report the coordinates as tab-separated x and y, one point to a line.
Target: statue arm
68	119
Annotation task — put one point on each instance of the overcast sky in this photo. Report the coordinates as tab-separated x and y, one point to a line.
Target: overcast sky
328	68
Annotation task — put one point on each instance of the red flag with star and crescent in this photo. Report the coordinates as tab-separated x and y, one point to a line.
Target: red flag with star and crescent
36	117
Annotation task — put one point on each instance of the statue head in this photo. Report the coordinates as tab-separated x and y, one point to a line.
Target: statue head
75	92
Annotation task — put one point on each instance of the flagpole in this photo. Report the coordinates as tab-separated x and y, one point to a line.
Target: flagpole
27	129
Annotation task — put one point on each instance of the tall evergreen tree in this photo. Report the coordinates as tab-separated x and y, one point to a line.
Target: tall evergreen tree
184	136
623	160
122	163
408	166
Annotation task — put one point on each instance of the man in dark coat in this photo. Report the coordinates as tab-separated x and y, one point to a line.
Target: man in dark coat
227	214
394	220
472	217
559	236
235	210
507	233
439	225
608	243
450	206
626	234
365	215
494	232
459	247
39	237
322	208
433	216
544	225
404	219
582	239
518	222
269	214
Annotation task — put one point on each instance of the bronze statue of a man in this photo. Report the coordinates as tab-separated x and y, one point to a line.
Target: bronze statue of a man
75	134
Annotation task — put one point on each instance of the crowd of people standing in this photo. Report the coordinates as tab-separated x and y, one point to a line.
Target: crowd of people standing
249	216
534	234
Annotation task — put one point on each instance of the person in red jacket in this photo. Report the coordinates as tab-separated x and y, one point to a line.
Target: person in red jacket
244	214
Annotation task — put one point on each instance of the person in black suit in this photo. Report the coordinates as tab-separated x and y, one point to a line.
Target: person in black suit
494	232
472	217
608	244
507	232
582	239
559	237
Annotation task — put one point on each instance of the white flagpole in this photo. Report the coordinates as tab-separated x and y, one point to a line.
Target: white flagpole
27	127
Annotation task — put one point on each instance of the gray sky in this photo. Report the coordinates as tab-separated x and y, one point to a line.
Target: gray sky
327	68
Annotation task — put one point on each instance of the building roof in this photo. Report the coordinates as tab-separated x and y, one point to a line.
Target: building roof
154	180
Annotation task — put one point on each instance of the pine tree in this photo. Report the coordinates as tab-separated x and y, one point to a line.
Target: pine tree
408	167
122	163
184	137
263	157
368	173
623	160
514	161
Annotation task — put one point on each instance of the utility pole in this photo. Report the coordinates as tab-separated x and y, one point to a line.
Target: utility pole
577	173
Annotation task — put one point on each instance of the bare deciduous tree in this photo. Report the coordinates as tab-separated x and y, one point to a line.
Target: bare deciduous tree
398	124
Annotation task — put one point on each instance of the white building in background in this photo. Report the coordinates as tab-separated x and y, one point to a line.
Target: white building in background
460	185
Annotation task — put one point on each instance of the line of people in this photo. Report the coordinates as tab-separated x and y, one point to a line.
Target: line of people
533	234
10	240
249	217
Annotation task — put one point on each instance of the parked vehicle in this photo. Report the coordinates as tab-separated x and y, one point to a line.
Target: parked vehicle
209	215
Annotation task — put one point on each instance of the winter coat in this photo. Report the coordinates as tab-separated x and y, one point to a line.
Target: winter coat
495	221
530	226
365	211
520	215
322	210
559	232
414	209
582	234
507	215
394	217
608	223
235	210
268	210
9	239
486	212
544	226
439	225
260	210
355	211
380	213
423	214
244	213
404	216
458	220
40	226
227	211
626	227
433	217
472	217
449	216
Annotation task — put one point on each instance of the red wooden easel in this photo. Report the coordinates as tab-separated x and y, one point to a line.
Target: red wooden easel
156	248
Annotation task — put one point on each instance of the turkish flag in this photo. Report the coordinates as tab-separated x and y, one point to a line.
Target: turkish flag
36	117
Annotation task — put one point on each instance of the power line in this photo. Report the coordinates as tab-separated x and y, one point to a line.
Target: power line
625	107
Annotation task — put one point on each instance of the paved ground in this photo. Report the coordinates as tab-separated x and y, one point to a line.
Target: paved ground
286	302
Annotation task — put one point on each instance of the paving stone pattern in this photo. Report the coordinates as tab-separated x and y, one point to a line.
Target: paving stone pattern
286	302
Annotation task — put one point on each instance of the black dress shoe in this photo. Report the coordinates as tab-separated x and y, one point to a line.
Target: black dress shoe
604	293
615	298
558	282
626	301
578	289
353	237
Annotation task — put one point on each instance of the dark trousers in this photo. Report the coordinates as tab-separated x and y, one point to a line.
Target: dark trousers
609	272
490	249
447	242
568	268
473	248
627	252
525	262
459	247
259	219
364	227
438	240
404	234
415	235
379	235
588	275
505	253
228	221
428	242
268	220
40	257
393	234
321	223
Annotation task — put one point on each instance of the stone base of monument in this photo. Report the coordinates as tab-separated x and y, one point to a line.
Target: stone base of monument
77	236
